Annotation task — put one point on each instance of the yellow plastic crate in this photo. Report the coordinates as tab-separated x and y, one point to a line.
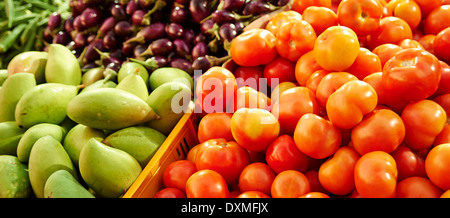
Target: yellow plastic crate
182	138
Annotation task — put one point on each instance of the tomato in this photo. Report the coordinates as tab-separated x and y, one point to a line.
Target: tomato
216	88
423	120
376	175
282	154
252	194
444	86
315	195
446	194
409	163
417	187
320	18
256	177
410	43
214	125
427	42
305	67
437	20
443	137
280	88
315	79
330	83
391	30
386	52
301	5
248	97
365	64
192	153
206	184
177	173
278	71
444	102
336	48
254	129
336	174
253	47
291	105
384	122
169	193
290	184
413	74
316	137
347	106
437	166
225	157
408	10
441	44
314	183
280	18
426	6
250	76
362	16
294	39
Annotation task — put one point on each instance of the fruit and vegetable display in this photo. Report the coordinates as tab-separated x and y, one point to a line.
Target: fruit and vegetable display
289	99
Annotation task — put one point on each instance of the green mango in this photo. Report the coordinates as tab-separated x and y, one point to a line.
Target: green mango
141	142
131	67
10	135
61	184
170	101
33	62
3	76
12	90
134	84
170	74
109	109
44	103
14	179
92	75
62	66
99	84
106	170
33	134
47	156
77	138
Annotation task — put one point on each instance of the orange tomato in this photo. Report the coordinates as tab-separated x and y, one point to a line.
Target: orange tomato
280	18
336	48
376	175
247	97
426	6
427	42
314	80
256	177
206	184
294	39
362	16
252	194
254	47
315	195
437	20
408	10
391	30
290	184
302	5
365	64
386	51
437	166
417	187
305	67
329	84
215	125
320	18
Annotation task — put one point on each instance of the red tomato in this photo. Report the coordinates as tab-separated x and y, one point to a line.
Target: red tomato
252	194
314	183
386	51
282	154
293	104
177	173
410	43
384	122
301	5
437	20
254	129
423	120
426	6
278	71
305	67
365	64
376	175
347	106
412	74
248	97
391	30
192	153
444	85
314	195
290	184
443	137
441	44
437	166
250	76
169	193
336	174
226	158
316	137
256	177
320	18
315	79
417	187
329	84
294	39
362	16
216	88
253	47
444	102
215	125
409	163
427	42
206	184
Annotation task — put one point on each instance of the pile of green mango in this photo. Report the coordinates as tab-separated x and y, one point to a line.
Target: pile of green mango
65	133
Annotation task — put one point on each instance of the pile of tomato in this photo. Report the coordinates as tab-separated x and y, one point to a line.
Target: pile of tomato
357	104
